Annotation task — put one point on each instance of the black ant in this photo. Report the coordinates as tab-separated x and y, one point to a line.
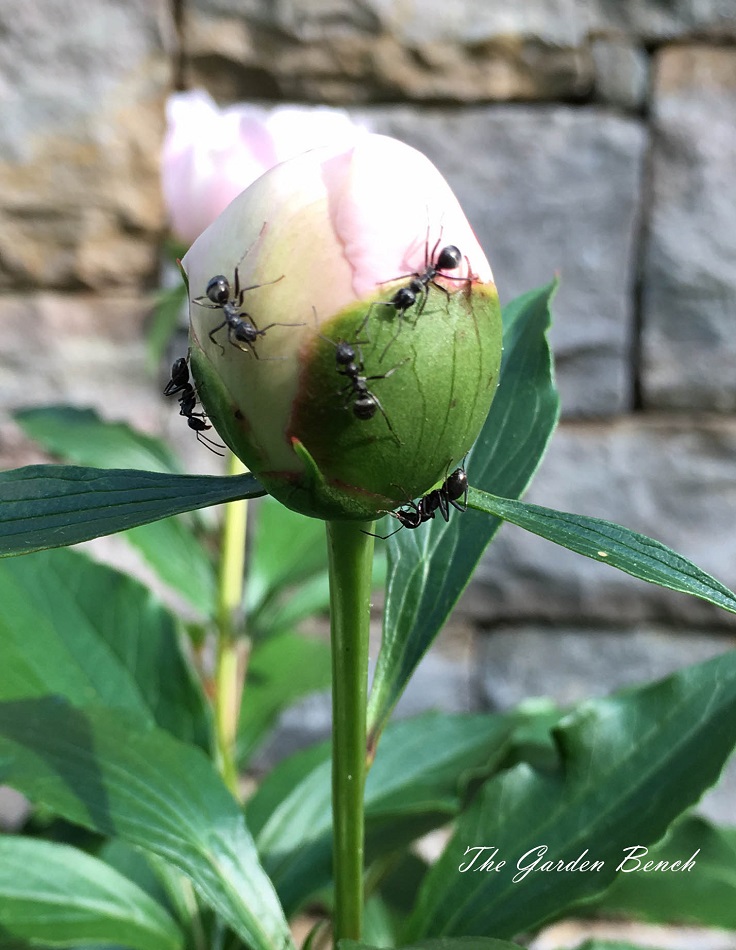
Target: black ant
179	383
241	330
439	499
364	402
449	258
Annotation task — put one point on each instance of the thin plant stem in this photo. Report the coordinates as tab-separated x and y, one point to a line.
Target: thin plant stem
184	901
350	567
229	666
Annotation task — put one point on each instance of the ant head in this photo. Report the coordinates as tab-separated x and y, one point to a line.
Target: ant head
449	258
364	406
180	370
218	290
344	353
404	298
456	484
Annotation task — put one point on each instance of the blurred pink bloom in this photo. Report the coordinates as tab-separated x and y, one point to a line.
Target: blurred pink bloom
210	154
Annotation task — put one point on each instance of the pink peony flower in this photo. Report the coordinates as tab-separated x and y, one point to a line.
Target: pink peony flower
325	241
210	155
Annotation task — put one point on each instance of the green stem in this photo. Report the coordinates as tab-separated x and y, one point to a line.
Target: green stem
229	663
350	565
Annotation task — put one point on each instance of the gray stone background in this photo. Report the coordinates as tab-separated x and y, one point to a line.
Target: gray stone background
594	139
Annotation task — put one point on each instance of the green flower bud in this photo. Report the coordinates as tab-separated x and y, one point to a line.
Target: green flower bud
343	399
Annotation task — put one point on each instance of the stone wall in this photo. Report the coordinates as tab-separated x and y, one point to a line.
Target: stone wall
594	139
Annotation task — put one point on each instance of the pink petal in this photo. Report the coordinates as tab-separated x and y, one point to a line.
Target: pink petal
395	210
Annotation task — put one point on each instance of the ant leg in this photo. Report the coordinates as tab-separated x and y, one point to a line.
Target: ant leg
388	421
241	294
360	364
212	332
413	505
460	280
422	304
442	504
444	290
465	493
383	537
251	348
236	343
261	332
389	373
430	260
366	318
394	338
209	444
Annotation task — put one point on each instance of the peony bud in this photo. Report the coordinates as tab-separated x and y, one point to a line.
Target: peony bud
312	256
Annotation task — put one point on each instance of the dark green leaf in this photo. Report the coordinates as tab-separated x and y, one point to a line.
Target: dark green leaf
629	765
82	437
61	897
430	567
138	868
281	670
416	783
95	769
457	943
47	506
706	897
610	544
178	894
283	613
77	629
179	559
378	923
288	548
277	786
400	884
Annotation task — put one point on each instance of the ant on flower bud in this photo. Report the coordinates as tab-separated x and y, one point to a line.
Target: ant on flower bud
439	499
448	258
179	383
242	331
350	364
